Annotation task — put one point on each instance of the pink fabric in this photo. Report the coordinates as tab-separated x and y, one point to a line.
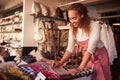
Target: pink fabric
47	74
100	61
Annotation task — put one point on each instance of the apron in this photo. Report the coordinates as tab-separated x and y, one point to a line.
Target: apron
100	61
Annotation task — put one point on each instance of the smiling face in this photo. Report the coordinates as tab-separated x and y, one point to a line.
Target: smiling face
74	18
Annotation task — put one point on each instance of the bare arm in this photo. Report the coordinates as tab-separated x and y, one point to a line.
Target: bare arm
66	56
85	60
94	39
83	64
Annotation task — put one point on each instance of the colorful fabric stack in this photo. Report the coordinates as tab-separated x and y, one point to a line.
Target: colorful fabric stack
16	72
48	74
29	71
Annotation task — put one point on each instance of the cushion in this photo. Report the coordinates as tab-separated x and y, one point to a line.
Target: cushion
36	8
44	10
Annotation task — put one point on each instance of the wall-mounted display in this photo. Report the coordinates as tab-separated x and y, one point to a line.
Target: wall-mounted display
11	33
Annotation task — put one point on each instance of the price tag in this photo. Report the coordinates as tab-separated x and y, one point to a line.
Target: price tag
40	76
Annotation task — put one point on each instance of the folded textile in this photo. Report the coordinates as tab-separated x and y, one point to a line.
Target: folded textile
4	66
47	74
12	77
16	72
28	59
29	71
10	58
4	77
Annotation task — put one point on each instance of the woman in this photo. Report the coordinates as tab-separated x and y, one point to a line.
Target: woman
86	33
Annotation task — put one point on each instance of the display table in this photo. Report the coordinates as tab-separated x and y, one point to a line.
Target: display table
62	71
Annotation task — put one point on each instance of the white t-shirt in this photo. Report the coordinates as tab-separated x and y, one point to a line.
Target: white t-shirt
94	38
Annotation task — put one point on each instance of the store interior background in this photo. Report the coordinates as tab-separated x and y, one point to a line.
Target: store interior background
98	9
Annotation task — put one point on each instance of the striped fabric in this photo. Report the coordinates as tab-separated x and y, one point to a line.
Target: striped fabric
29	71
86	72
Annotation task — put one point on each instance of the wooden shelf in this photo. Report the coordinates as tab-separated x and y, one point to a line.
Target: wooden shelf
12	32
6	24
48	17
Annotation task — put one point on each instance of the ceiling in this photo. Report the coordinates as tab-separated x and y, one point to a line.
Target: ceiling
6	5
101	5
107	5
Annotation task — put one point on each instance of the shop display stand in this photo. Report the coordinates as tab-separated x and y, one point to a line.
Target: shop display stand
49	18
10	31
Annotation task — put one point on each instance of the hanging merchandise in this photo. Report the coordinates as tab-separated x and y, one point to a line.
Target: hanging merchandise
44	37
38	8
46	19
39	31
35	8
44	10
109	42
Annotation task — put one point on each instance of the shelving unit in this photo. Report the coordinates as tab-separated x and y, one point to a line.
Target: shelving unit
56	29
47	17
11	33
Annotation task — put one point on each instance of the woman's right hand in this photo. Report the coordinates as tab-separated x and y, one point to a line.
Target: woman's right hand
56	64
